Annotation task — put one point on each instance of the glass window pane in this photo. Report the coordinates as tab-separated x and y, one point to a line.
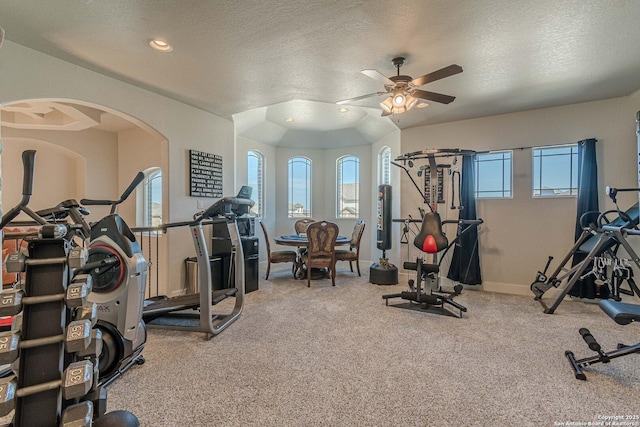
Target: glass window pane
555	171
255	179
149	199
348	183
299	187
493	174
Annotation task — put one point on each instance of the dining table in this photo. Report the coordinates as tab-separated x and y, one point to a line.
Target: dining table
301	241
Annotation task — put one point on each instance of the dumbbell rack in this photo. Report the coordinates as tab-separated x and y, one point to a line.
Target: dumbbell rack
46	374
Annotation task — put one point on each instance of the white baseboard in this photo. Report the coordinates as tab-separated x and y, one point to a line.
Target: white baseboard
506	288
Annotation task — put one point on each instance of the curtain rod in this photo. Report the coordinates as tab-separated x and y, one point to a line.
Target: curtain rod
534	146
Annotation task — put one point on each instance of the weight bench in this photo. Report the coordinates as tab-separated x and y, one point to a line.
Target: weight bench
622	313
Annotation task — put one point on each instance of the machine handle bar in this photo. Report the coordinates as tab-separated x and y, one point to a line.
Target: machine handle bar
28	163
113	203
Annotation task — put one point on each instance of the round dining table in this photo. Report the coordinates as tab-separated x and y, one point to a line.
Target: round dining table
301	241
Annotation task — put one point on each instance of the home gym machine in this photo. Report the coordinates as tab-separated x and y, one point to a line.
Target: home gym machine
52	347
194	312
383	272
600	240
425	292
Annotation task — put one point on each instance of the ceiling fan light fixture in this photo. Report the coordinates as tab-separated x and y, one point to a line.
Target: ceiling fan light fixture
160	45
399	99
387	104
399	110
411	102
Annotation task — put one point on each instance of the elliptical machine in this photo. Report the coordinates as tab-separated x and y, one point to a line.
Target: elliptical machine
118	288
118	271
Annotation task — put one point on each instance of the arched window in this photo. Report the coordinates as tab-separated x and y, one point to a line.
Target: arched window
299	187
255	179
348	187
149	199
384	165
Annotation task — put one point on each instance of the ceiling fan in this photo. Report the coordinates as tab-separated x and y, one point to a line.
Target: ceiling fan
403	89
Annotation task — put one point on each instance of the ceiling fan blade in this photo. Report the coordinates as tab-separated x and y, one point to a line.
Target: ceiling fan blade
436	75
377	75
432	96
357	98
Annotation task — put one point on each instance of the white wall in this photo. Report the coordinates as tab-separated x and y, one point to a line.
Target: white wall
67	156
520	233
28	74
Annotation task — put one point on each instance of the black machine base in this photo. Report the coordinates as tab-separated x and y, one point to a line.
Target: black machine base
430	303
383	274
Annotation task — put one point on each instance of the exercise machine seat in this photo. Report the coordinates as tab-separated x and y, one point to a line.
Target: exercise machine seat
431	239
622	313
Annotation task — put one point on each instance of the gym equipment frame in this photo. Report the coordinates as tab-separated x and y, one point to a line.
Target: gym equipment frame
431	239
173	313
606	237
623	314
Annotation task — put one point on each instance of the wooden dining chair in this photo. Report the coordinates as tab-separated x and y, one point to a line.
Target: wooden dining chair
353	254
278	256
321	252
301	225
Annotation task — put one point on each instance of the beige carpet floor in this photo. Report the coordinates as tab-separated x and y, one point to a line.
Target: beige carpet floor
337	356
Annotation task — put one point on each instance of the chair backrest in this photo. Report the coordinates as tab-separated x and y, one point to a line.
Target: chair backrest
358	231
431	239
322	237
266	238
302	224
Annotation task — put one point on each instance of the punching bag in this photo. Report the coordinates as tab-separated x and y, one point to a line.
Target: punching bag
383	272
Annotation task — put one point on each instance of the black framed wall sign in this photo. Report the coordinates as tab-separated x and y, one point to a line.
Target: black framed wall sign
205	174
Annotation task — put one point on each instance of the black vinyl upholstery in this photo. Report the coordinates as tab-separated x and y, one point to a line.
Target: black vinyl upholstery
430	239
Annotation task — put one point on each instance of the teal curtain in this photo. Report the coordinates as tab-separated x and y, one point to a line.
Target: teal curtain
587	202
465	263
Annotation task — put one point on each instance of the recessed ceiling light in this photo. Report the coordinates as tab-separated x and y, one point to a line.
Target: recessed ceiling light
422	105
160	45
288	119
343	110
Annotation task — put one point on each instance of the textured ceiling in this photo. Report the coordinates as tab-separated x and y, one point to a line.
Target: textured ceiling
236	59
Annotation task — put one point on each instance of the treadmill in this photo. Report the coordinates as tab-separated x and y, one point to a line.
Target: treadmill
194	312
